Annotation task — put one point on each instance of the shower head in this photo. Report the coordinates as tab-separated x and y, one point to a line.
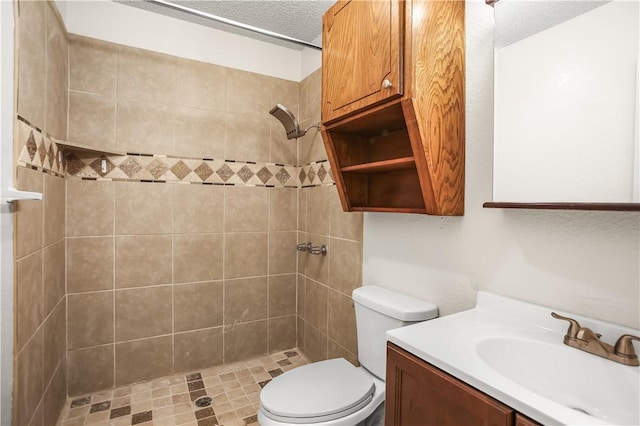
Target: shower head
290	122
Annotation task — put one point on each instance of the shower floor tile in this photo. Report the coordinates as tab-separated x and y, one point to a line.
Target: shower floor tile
223	395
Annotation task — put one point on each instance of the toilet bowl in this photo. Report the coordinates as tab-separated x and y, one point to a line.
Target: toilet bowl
334	391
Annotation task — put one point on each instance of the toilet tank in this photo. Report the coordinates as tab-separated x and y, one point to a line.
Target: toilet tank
377	310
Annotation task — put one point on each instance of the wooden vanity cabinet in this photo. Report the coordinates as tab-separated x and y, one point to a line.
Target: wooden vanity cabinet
393	104
419	394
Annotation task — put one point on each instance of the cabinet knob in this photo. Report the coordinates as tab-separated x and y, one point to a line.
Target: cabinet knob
386	84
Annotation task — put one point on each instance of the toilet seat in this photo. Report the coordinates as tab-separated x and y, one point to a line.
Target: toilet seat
317	392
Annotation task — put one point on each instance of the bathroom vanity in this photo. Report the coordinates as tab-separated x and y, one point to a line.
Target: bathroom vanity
504	363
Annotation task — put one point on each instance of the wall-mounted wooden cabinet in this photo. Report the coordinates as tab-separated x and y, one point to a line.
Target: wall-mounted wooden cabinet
420	394
393	104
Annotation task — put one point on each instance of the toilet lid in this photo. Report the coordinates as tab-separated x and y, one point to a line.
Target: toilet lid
319	391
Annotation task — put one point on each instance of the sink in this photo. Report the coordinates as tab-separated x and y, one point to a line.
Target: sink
578	380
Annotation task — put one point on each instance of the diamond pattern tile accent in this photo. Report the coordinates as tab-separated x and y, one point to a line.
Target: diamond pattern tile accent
74	164
264	175
225	172
311	174
96	165
322	173
283	176
42	152
32	147
51	156
130	167
245	174
157	168
180	169
303	176
203	171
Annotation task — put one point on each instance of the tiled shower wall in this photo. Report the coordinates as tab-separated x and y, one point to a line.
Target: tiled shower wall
40	306
170	277
326	317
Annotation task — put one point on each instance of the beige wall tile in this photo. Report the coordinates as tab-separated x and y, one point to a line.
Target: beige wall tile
283	209
54	286
143	312
247	137
282	252
143	260
198	208
245	300
143	360
146	75
302	291
245	254
337	351
315	305
302	208
281	150
92	66
346	225
315	267
143	208
282	333
144	127
201	85
55	337
283	92
319	210
29	385
197	257
89	264
90	319
246	340
248	93
315	343
300	333
198	349
90	370
29	303
282	295
54	208
199	133
287	93
310	146
55	396
56	74
29	214
246	209
345	273
342	321
197	305
31	37
89	208
92	120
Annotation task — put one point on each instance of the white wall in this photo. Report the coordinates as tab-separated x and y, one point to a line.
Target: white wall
118	23
582	262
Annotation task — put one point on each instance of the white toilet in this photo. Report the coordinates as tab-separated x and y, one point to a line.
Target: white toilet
334	392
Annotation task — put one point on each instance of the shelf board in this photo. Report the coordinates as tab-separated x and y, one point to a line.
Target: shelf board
631	207
389	210
382	166
71	146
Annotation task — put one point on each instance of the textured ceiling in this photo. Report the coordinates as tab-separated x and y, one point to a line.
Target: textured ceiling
301	19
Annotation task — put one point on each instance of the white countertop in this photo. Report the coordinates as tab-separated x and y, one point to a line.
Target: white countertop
450	343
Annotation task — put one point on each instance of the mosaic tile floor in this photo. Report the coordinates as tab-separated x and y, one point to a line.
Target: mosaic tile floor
224	395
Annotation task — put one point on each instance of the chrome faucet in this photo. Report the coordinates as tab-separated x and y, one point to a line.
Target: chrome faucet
585	339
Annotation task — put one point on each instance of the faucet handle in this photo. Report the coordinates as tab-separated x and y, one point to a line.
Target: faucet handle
574	326
624	347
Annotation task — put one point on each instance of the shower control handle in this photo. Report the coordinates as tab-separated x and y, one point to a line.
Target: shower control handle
305	247
386	84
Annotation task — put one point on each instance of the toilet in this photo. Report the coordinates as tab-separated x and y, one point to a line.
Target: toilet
334	392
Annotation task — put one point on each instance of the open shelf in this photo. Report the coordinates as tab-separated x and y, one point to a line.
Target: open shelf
382	166
627	207
76	147
388	210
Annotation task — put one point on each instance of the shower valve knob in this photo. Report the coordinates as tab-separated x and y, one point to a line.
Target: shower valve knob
386	84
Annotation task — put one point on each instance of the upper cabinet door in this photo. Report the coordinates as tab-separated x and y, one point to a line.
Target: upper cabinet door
361	55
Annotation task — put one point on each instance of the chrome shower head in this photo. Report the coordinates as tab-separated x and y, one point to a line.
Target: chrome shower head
290	122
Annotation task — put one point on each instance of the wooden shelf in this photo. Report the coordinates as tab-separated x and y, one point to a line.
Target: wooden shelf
71	146
627	207
382	166
388	210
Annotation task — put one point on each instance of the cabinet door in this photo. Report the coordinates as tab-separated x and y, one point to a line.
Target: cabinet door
525	421
422	395
361	52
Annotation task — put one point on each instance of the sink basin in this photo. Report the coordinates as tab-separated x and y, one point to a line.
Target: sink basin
578	380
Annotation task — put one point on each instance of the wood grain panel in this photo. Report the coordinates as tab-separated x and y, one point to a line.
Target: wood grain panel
361	48
438	63
525	421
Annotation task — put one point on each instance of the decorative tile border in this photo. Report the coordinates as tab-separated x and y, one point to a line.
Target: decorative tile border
40	151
